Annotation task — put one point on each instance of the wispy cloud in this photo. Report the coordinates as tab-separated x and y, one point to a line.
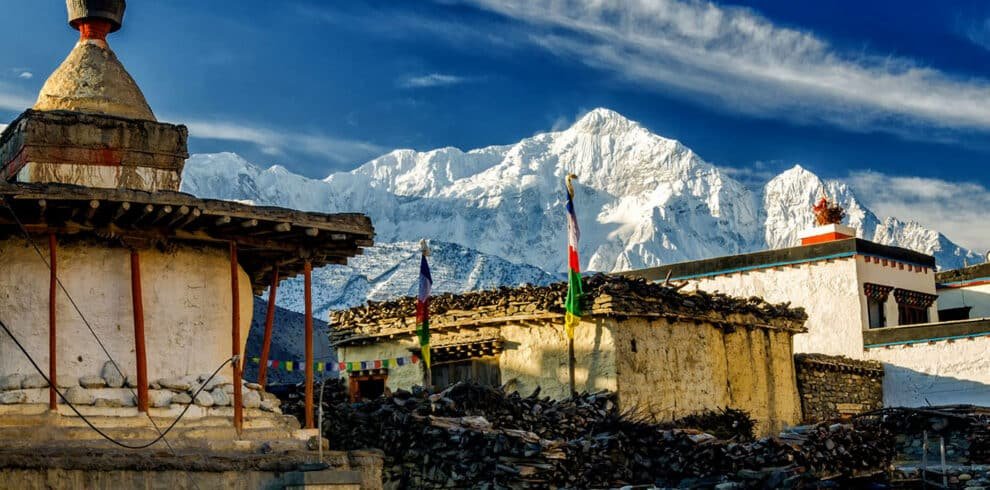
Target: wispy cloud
400	23
756	174
977	33
432	80
279	142
957	209
737	60
25	75
14	99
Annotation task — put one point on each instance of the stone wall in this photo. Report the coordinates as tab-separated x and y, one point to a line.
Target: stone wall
836	386
534	355
672	369
675	368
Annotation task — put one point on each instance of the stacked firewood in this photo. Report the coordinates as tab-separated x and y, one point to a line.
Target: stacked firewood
607	293
471	436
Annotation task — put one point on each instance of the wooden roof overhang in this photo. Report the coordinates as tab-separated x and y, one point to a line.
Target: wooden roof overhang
265	236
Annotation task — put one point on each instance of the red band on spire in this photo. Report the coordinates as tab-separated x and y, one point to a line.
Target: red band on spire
94	29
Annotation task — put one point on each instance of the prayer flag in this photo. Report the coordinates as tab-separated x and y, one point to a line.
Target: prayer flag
423	305
575	290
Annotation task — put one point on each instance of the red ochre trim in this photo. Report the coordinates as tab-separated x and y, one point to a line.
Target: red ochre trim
824	238
964	284
94	29
895	264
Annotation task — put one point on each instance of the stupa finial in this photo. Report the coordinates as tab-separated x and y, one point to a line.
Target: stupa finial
88	16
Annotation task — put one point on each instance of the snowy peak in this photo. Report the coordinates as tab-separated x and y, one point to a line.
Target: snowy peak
604	121
642	199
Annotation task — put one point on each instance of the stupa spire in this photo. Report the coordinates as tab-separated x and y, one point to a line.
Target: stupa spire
91	80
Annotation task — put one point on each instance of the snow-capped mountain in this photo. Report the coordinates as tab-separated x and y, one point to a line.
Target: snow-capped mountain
497	213
390	270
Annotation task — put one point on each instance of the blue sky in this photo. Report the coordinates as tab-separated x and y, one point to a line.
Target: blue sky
892	96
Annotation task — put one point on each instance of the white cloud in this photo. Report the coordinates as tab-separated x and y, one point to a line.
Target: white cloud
735	59
13	99
432	80
277	142
977	33
26	75
957	209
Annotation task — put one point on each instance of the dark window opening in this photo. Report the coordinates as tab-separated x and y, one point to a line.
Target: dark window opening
633	345
912	315
878	318
954	314
483	370
367	387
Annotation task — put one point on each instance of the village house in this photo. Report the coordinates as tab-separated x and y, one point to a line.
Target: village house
867	301
134	299
964	293
665	353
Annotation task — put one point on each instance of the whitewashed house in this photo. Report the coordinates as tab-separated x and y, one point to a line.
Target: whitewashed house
869	301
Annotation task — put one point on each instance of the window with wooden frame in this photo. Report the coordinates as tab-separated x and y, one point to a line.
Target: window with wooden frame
368	384
475	362
912	306
876	303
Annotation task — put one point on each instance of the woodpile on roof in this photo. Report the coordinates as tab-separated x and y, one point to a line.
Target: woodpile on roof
607	295
840	364
131	218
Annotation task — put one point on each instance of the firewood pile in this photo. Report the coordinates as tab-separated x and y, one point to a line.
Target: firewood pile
471	436
605	294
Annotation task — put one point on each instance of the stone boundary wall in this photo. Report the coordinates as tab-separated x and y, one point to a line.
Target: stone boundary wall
835	386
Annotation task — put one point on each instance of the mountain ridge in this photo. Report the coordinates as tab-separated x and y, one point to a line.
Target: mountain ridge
642	200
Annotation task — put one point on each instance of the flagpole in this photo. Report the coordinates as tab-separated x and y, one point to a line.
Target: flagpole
427	370
571	361
574	292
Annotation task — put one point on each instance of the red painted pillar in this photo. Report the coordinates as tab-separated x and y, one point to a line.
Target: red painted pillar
52	342
269	321
308	274
139	346
235	336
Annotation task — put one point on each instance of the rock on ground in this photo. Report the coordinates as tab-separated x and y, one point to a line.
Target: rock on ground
176	384
92	382
34	381
204	399
11	381
220	397
79	396
110	374
160	398
12	397
182	399
252	399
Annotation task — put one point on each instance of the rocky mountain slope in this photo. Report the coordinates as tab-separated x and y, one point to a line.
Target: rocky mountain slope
496	214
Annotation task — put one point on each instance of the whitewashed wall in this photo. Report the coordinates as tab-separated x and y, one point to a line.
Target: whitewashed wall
186	308
978	297
828	290
942	373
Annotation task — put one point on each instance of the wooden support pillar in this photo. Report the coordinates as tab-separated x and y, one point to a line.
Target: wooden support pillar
52	342
308	274
235	336
269	322
139	345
